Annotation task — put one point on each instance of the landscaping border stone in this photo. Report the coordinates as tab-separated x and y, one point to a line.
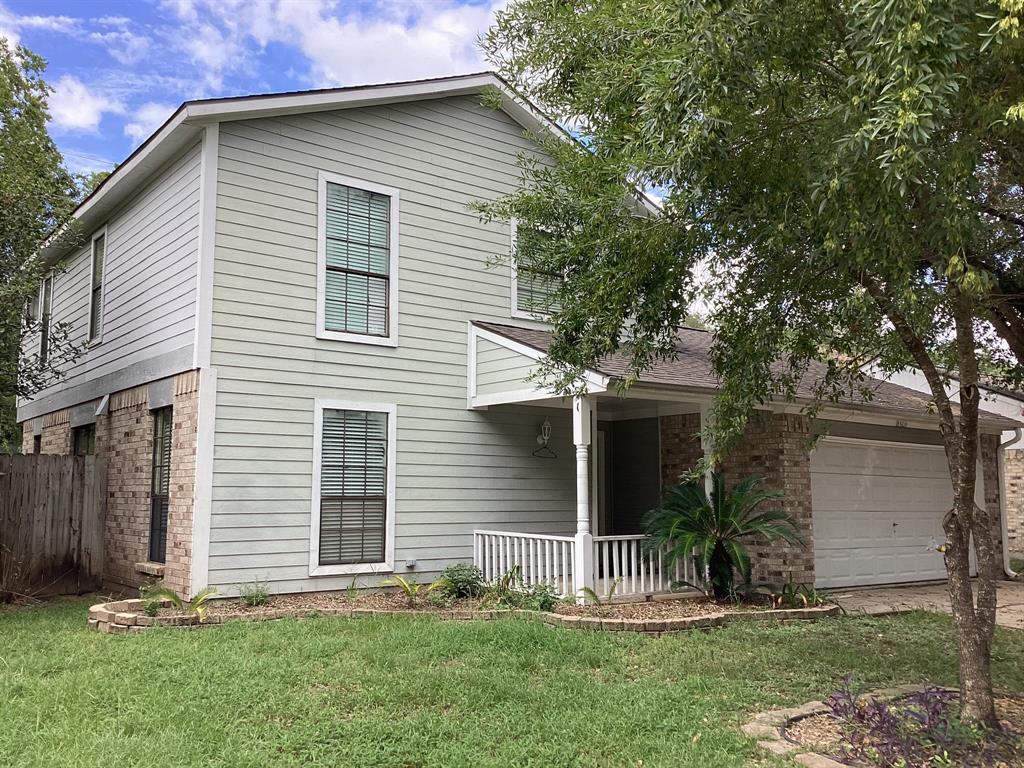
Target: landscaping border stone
127	617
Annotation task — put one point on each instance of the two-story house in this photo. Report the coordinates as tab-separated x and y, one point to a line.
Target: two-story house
306	367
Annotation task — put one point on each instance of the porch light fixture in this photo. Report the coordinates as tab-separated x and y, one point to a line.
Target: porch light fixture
543	451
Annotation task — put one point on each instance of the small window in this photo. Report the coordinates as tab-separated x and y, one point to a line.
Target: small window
99	249
32	309
83	440
44	324
354	491
37	443
357	261
161	484
534	290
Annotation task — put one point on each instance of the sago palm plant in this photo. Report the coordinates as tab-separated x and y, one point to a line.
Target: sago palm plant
715	529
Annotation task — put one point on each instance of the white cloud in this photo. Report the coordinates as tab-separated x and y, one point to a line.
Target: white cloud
147	119
79	161
124	46
73	107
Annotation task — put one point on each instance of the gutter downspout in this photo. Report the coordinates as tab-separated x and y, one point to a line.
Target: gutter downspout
1004	530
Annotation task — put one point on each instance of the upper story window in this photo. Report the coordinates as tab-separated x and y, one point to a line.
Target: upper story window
99	252
83	440
357	280
353	488
534	289
46	307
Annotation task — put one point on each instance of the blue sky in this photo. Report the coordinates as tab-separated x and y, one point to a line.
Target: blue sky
119	68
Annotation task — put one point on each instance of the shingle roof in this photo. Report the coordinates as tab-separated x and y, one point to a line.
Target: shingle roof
692	369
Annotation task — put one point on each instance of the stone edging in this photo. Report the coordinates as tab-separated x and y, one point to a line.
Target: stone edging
768	727
127	616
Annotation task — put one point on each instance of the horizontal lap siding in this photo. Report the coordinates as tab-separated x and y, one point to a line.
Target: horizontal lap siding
148	281
457	470
500	370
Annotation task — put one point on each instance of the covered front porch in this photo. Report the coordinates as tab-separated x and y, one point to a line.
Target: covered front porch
623	451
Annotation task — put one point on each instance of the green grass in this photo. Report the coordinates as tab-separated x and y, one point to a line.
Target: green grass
420	692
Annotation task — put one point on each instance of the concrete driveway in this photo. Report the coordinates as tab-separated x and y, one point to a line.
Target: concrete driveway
878	601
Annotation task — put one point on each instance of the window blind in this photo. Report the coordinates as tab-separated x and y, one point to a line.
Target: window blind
99	249
353	487
358	251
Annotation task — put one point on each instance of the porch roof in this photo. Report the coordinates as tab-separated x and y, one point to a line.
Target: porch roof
692	369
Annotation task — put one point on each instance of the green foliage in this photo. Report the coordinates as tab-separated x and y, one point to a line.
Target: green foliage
593	598
508	591
411	588
37	195
462	580
440	599
153	595
255	594
715	529
792	595
200	602
352	590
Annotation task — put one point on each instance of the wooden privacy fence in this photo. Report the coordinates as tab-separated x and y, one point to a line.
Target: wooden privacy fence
52	512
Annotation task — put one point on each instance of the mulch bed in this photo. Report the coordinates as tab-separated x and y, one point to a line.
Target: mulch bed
677	608
328	601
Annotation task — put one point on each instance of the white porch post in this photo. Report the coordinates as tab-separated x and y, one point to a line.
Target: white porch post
583	575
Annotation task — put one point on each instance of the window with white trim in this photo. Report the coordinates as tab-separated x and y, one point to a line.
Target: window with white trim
357	261
99	252
534	289
353	488
46	306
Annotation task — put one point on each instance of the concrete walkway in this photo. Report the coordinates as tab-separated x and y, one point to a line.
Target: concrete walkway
878	601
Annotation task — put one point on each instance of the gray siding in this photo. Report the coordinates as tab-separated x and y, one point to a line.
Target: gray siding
148	292
456	470
499	369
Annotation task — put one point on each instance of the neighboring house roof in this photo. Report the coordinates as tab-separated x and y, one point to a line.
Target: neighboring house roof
183	128
692	369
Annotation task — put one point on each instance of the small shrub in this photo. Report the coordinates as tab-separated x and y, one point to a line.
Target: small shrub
154	593
199	604
411	588
439	598
509	592
352	591
462	580
793	595
256	594
540	597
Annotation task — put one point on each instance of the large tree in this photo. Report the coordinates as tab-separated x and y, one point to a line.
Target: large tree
841	179
37	195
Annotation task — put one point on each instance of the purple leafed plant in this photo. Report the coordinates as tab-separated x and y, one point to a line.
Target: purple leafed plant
913	730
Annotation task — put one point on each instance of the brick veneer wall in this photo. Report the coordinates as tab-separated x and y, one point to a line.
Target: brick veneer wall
775	446
183	479
125	436
680	446
1013	479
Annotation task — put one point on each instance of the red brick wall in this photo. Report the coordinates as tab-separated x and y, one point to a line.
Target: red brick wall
680	446
775	447
1013	479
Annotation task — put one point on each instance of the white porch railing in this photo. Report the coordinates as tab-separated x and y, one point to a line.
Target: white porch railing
618	560
624	562
541	558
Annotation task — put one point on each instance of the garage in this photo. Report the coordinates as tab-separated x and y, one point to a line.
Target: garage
877	511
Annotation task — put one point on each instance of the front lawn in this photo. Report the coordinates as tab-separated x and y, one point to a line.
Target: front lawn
421	692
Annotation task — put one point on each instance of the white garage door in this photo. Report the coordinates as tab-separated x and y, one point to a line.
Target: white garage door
878	510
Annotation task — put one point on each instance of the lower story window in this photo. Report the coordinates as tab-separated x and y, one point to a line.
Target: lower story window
354	486
83	440
161	484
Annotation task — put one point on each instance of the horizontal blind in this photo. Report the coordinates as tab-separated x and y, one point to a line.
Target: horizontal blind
358	248
99	249
536	288
353	487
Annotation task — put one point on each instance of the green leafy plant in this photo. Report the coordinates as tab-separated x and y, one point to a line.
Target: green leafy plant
153	595
462	580
440	599
255	595
793	595
411	588
200	603
714	529
352	591
595	599
508	591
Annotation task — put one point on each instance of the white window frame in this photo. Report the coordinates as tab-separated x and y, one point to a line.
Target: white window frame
98	338
345	569
521	314
46	319
323	179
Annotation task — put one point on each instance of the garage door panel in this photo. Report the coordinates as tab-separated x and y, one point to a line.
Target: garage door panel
877	512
